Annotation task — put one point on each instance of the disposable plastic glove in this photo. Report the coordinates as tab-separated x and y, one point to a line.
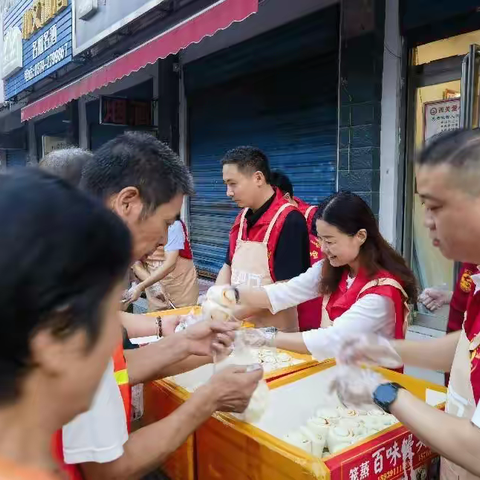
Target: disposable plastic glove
369	350
355	386
435	298
258	337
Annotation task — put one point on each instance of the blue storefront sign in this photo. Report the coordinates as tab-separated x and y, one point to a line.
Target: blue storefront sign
37	42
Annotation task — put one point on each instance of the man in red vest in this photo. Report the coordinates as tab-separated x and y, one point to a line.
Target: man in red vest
144	182
309	313
434	298
448	183
269	240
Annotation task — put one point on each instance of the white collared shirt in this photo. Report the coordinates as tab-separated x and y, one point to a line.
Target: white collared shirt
371	314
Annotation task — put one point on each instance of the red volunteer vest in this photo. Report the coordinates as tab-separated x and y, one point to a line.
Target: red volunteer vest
308	318
461	294
472	329
458	304
308	211
187	249
343	299
258	231
121	376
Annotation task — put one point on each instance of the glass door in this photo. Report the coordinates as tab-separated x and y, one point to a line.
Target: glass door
443	96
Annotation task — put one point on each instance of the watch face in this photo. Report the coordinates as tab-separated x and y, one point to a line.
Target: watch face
385	395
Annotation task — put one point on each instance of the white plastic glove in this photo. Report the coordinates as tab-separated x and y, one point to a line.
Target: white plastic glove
355	386
258	337
369	350
186	321
435	298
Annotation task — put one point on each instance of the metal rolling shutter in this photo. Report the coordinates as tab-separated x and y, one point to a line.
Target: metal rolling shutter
287	109
16	158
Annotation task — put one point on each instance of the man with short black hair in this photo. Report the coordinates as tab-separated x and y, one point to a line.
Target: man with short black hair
144	183
269	240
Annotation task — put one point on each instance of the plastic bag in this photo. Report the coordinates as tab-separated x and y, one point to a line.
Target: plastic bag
137	402
243	355
222	295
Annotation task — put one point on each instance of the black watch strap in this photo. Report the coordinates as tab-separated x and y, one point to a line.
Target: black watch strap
237	295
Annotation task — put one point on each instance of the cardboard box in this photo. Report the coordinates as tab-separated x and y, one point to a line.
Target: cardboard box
162	397
227	448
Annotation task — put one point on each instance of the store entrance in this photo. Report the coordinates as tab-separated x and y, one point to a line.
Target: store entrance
443	95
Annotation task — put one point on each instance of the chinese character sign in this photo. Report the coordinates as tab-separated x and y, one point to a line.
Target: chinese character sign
43	39
398	458
441	116
122	111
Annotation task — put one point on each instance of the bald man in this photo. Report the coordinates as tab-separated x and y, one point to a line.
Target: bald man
448	182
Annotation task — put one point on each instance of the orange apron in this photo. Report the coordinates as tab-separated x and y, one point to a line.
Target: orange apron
179	286
250	267
460	399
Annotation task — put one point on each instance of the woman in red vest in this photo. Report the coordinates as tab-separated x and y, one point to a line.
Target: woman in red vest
168	275
59	328
365	284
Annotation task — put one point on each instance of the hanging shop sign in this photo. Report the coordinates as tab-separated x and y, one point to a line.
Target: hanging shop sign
86	8
37	42
39	14
441	116
94	20
125	112
50	144
12	52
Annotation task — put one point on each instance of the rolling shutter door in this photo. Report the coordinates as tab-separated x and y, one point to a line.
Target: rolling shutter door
16	158
277	92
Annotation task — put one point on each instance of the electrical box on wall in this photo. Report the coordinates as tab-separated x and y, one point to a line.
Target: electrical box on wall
86	8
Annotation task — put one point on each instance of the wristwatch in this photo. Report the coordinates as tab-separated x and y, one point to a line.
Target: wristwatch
385	394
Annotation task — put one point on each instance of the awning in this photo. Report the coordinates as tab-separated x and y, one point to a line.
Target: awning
218	16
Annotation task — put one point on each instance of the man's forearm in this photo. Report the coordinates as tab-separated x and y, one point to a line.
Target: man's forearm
139	325
432	354
148	447
454	438
147	363
190	363
224	276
